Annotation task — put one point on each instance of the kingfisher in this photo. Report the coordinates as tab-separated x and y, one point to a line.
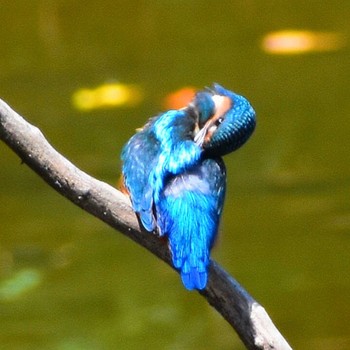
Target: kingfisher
175	177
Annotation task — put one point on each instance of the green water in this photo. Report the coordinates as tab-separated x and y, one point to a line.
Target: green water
69	282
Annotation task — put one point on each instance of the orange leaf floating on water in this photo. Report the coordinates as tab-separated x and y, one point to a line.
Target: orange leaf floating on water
292	42
179	98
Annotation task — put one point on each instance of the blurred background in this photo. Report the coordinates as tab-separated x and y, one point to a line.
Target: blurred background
88	74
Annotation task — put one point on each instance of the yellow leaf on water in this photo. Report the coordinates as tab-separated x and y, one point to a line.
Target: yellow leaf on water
107	96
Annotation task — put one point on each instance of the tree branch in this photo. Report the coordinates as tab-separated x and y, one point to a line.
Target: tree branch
223	292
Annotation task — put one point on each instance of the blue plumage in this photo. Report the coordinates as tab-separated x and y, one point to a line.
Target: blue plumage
176	178
163	147
190	208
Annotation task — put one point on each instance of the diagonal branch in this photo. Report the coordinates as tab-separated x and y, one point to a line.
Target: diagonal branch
223	292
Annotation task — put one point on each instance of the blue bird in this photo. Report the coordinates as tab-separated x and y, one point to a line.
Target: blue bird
176	179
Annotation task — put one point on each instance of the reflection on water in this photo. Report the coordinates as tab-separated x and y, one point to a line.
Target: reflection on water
19	283
68	281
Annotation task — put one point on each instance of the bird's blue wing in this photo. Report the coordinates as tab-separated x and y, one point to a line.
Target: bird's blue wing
177	151
139	157
189	213
163	147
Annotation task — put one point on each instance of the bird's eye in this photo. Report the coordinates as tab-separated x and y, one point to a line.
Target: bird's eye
219	121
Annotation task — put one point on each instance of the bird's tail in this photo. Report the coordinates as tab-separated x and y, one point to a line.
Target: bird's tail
190	221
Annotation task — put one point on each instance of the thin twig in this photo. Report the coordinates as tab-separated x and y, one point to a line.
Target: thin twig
223	292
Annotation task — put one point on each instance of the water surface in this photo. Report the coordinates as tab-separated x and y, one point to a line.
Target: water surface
67	281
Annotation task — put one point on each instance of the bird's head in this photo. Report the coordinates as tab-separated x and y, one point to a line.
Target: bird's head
225	120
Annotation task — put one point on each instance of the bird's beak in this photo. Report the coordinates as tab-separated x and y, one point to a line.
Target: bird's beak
200	135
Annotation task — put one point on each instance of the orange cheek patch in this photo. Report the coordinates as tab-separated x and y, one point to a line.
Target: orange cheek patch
222	105
210	133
